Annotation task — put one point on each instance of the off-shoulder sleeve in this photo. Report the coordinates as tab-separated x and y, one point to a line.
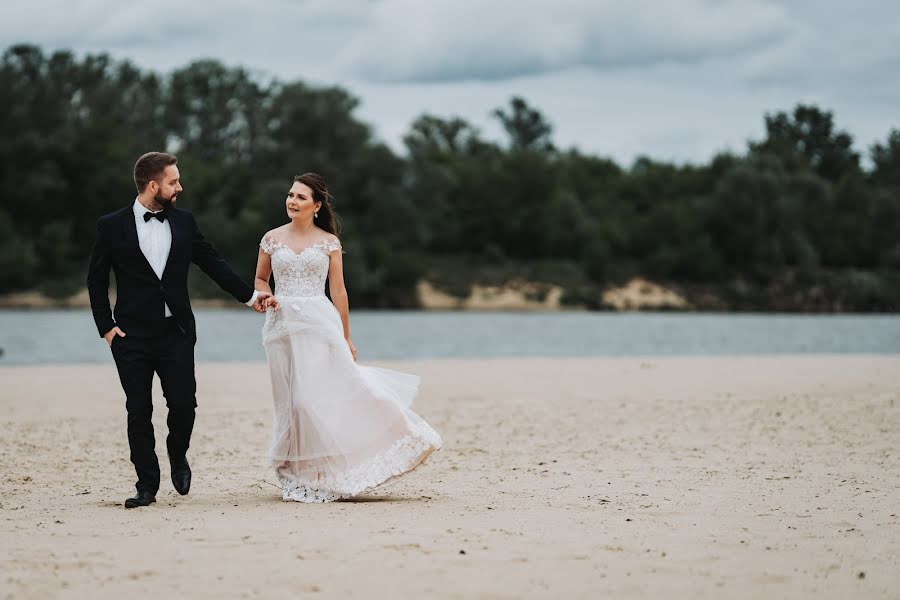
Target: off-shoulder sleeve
267	244
332	245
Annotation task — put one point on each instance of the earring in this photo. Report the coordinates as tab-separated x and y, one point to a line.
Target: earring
316	215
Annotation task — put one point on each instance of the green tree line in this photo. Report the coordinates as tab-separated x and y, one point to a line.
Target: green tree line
796	222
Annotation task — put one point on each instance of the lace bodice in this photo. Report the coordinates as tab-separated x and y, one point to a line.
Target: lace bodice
299	273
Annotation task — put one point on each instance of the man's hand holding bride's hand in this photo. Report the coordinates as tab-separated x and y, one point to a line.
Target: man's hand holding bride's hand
265	301
271	302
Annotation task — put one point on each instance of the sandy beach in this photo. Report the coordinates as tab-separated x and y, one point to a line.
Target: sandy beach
755	477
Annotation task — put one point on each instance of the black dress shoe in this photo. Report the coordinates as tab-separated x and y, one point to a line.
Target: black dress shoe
181	475
141	499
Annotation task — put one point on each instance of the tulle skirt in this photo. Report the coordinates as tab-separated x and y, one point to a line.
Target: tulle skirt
338	428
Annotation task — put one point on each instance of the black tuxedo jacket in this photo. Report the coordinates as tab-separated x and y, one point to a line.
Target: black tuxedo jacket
140	294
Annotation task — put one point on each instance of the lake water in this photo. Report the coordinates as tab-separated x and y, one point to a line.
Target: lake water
69	336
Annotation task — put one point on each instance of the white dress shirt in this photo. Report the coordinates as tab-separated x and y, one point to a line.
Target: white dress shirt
155	240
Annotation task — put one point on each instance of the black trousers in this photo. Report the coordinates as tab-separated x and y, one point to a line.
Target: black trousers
169	354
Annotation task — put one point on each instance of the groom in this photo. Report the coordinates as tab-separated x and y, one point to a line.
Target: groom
150	245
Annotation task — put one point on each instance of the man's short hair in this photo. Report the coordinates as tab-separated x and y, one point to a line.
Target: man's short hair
150	167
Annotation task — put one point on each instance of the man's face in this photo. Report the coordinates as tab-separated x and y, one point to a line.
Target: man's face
168	187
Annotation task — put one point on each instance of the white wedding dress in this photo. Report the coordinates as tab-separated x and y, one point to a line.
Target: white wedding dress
339	428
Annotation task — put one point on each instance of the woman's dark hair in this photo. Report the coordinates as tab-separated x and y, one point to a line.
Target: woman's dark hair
328	219
149	167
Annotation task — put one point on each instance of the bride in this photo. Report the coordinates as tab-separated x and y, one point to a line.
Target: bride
339	428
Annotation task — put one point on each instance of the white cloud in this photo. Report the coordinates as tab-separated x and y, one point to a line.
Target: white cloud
669	79
446	41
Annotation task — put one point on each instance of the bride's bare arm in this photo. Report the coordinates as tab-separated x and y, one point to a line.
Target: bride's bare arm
263	272
338	290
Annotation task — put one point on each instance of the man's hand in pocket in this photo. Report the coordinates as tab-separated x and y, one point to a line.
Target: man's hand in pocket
109	335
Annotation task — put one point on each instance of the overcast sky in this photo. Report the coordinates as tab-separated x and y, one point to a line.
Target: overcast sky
676	80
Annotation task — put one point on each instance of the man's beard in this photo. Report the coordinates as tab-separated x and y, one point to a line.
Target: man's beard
163	202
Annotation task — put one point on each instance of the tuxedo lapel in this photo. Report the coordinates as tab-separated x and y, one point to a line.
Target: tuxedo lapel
131	237
177	238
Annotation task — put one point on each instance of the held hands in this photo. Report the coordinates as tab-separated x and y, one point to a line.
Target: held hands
265	301
109	335
270	302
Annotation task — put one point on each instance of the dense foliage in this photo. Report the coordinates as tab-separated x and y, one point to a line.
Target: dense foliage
795	223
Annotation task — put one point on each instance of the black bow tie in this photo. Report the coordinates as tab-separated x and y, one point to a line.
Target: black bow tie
161	216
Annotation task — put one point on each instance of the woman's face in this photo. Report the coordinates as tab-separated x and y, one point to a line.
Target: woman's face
299	202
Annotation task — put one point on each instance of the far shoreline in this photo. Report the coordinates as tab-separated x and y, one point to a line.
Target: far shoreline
516	296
